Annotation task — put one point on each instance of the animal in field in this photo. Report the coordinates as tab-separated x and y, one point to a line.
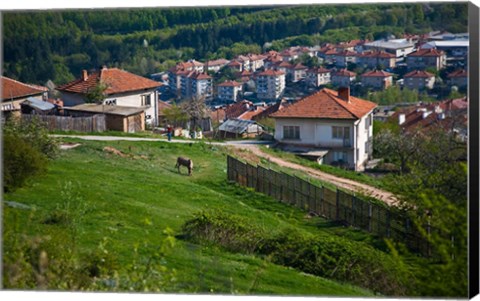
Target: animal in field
184	162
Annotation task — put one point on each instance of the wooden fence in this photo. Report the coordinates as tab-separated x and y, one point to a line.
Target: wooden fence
335	205
95	123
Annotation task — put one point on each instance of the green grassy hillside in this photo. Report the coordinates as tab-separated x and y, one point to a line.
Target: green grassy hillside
107	222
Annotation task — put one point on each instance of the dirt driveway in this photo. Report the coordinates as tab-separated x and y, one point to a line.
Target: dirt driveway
385	196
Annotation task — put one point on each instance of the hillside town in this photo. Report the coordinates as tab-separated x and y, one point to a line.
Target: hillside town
273	86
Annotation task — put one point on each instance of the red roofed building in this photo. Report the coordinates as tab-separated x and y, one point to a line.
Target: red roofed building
343	78
196	84
419	80
374	59
235	65
270	84
377	79
229	91
317	76
343	58
296	72
15	92
123	89
458	78
426	58
334	123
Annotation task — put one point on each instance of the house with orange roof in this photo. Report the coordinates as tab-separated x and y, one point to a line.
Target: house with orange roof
343	58
458	78
15	92
196	84
377	79
229	91
426	58
343	78
124	89
236	65
373	59
333	126
296	72
216	65
419	80
270	84
316	77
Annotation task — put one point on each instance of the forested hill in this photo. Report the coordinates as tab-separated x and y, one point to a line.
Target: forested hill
57	45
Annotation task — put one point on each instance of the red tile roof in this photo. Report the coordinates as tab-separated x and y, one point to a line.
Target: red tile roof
377	54
344	72
199	76
219	62
346	53
250	115
235	63
326	104
458	73
318	70
299	66
427	52
271	73
237	109
12	89
230	83
117	81
377	73
419	73
271	109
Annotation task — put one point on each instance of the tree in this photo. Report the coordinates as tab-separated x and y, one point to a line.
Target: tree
97	93
196	109
175	115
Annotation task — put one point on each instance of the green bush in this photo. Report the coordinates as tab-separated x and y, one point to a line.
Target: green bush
330	257
20	161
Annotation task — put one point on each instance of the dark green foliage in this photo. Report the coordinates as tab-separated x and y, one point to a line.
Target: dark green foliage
330	257
20	162
26	149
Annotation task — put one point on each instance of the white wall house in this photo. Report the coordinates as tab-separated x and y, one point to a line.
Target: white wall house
270	85
229	91
317	76
334	122
123	89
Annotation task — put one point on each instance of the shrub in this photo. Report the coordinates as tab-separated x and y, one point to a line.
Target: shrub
20	161
330	257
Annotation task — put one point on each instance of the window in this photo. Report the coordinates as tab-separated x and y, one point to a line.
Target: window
146	100
291	132
340	156
340	132
367	122
111	102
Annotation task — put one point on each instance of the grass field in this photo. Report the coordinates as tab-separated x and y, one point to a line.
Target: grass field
92	201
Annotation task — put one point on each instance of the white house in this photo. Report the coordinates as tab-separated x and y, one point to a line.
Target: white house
229	91
122	89
15	92
270	84
329	122
317	76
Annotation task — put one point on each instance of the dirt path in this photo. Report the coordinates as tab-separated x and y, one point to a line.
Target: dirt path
347	184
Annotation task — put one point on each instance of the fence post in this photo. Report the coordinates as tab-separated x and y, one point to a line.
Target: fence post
337	205
370	217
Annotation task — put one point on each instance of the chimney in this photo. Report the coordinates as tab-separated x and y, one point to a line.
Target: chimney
84	75
344	93
401	119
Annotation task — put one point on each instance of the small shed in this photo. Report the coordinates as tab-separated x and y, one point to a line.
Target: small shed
118	118
37	106
239	128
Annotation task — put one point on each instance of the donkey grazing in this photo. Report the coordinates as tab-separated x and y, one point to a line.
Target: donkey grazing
184	162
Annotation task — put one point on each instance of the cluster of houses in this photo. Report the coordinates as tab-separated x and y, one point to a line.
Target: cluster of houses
268	75
330	126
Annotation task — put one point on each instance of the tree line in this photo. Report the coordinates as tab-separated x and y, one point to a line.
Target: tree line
57	45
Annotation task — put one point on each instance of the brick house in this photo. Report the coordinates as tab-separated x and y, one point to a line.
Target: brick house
426	58
374	59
